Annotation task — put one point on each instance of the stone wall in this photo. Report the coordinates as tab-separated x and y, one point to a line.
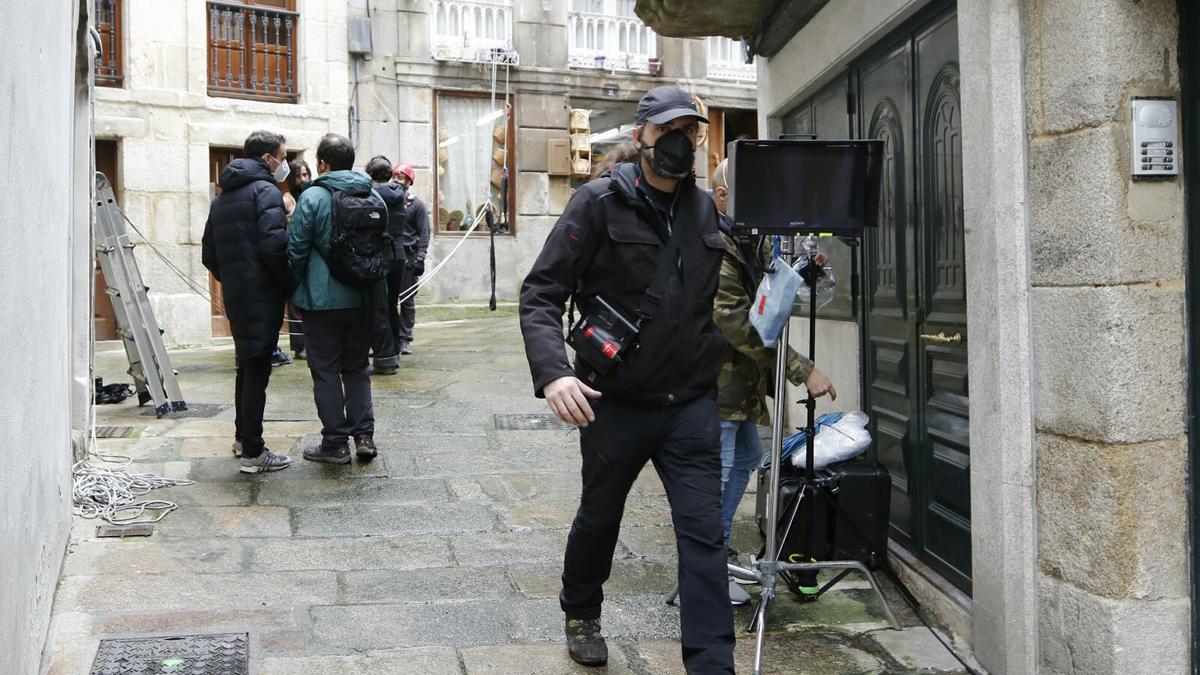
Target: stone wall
165	123
397	90
1109	328
46	192
1000	352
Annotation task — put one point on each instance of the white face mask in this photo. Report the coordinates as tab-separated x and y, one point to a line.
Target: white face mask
282	172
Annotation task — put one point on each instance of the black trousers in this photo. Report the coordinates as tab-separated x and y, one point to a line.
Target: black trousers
387	318
684	443
249	400
408	309
338	342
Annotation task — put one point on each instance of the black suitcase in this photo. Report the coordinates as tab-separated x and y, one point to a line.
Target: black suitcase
864	499
862	493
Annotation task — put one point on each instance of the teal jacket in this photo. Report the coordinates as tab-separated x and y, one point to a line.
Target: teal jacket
308	243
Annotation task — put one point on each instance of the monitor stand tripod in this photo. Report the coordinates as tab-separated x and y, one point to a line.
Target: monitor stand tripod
765	571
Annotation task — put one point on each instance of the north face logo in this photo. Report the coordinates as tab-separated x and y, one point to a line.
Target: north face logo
374	215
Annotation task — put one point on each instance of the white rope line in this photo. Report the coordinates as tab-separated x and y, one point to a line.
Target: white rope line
425	279
403	294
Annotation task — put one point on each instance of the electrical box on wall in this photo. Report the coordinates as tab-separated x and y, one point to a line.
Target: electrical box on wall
558	157
359	41
1155	136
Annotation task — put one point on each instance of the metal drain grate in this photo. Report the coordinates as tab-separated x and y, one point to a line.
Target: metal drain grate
113	432
194	410
224	654
530	422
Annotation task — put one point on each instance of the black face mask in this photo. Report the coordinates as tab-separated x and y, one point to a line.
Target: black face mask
672	156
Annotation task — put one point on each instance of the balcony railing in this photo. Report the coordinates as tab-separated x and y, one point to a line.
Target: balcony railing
252	51
108	24
610	42
725	61
472	30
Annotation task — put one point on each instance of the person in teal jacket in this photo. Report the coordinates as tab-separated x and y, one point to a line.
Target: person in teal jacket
338	319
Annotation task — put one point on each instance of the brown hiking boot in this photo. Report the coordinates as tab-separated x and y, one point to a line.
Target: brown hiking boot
584	642
364	447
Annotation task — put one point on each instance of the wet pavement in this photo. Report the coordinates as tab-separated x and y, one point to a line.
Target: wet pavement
441	556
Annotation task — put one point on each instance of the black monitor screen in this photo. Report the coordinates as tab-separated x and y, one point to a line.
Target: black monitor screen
805	186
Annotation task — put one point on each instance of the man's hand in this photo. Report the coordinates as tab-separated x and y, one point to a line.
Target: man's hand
819	385
568	398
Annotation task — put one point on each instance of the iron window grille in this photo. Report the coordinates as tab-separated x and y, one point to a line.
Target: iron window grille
252	49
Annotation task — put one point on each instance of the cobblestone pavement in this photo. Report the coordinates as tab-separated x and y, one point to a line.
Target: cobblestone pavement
441	556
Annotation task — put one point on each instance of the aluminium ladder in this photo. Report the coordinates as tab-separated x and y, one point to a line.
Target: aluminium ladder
149	363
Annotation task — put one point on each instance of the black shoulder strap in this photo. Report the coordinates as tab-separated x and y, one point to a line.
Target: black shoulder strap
654	293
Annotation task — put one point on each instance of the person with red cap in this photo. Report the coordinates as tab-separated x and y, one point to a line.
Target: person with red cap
415	240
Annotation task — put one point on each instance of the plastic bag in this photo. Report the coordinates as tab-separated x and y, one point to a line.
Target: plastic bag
810	250
773	301
838	439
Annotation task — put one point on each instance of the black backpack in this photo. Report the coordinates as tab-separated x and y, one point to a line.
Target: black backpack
360	249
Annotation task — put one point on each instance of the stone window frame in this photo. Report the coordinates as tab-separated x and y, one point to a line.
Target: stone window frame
435	224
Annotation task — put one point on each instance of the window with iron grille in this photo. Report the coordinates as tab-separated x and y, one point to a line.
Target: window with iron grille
252	49
108	24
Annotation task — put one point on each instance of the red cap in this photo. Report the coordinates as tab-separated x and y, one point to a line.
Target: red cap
405	170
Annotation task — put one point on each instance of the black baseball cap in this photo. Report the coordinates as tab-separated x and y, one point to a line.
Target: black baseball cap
663	104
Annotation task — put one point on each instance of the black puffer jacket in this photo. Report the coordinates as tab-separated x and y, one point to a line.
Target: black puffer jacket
608	242
245	247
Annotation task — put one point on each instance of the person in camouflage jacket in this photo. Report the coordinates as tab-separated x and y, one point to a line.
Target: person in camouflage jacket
747	377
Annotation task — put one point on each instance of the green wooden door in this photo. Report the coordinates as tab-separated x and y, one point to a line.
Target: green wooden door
915	329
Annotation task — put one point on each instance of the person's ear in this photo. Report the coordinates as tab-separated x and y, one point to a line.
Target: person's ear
637	137
721	192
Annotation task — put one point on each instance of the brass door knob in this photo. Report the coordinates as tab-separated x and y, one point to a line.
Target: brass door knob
942	339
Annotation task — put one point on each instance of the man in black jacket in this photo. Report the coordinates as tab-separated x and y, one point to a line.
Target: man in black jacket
386	350
658	404
245	248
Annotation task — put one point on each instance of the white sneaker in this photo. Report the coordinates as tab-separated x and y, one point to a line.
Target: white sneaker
267	461
738	595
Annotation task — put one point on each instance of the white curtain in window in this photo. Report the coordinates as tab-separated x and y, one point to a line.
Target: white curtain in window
465	148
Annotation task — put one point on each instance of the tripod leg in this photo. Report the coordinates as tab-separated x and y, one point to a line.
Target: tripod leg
879	593
761	619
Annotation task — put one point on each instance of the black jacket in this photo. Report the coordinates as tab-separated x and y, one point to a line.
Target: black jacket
393	195
245	248
608	242
416	231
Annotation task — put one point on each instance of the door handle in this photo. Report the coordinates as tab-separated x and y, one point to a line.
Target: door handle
942	339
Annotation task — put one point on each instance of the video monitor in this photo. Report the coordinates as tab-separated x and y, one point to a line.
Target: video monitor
803	187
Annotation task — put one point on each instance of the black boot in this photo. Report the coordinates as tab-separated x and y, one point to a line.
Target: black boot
364	447
584	642
327	454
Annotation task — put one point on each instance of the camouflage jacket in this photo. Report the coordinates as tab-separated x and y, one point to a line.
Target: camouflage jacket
747	377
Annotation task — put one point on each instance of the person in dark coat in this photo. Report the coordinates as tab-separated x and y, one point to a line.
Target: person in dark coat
386	350
415	242
613	246
245	248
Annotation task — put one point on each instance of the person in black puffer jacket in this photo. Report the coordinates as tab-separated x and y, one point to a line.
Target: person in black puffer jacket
245	248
